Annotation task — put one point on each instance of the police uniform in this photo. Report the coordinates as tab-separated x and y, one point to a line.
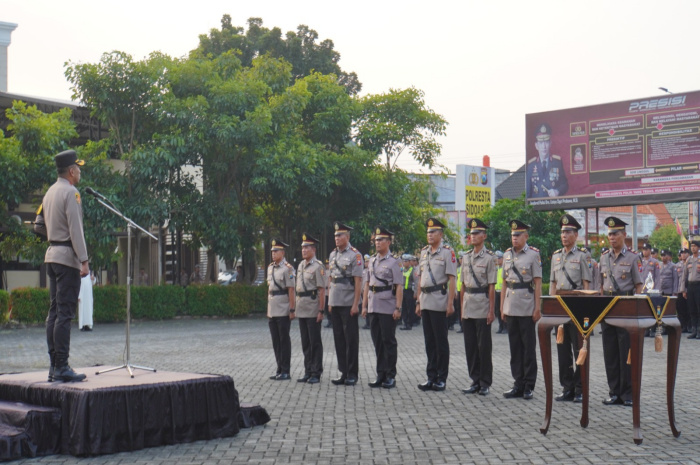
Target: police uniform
541	176
365	280
681	302
502	326
345	265
280	311
408	304
382	290
570	269
650	266
668	277
520	269
478	276
690	284
620	275
63	215
435	269
310	297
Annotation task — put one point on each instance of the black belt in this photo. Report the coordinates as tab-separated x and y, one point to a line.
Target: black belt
477	290
512	285
336	280
61	243
618	293
437	287
380	288
693	284
279	292
308	293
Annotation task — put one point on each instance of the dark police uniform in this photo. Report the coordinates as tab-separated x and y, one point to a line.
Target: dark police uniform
345	265
310	280
280	277
620	275
570	269
63	214
542	176
690	284
681	302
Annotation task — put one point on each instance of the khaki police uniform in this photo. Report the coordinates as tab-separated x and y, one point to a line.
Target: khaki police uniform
310	278
280	277
681	301
668	278
478	274
653	266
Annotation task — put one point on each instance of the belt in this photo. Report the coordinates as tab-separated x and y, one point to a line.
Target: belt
307	293
477	290
437	287
61	243
693	284
512	285
380	288
618	293
336	280
279	292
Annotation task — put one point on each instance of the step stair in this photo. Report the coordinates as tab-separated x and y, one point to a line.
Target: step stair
28	430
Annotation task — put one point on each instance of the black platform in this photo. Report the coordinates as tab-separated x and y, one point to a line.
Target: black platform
113	412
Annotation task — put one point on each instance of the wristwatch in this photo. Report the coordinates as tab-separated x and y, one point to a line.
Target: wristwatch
292	310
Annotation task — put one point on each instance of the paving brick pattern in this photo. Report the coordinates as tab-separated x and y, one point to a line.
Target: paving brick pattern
327	424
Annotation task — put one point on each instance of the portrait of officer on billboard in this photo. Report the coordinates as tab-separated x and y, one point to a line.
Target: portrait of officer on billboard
545	172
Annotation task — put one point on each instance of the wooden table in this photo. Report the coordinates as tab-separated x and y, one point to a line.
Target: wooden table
632	313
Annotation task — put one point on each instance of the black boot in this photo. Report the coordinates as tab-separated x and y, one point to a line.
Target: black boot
66	374
693	333
52	367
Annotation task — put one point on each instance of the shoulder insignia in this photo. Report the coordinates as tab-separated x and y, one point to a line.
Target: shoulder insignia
556	251
607	251
469	251
425	247
447	246
535	249
583	249
289	265
509	249
77	197
271	264
489	252
532	160
556	157
354	249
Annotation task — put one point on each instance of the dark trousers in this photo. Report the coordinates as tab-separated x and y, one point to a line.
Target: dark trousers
523	360
64	288
569	375
312	346
383	328
408	308
616	346
682	311
437	347
500	318
477	345
457	315
693	303
281	344
346	334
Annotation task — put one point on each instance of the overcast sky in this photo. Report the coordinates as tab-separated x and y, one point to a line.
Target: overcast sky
482	64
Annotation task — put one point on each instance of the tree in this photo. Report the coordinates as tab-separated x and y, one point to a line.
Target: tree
400	120
666	238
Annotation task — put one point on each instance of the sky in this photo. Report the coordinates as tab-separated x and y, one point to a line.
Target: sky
483	65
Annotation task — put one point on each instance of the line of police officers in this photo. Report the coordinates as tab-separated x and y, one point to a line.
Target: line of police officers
387	289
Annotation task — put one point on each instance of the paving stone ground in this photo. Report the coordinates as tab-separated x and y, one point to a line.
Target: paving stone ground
327	424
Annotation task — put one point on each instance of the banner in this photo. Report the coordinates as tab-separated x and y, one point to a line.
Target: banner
625	153
474	189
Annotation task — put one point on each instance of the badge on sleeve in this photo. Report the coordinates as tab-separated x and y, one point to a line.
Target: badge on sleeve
77	197
359	259
453	257
640	267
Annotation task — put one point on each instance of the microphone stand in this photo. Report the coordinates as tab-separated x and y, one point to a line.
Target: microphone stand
129	224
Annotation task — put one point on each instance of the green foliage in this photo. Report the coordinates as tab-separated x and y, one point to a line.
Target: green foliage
666	237
109	303
4	307
29	304
157	302
544	234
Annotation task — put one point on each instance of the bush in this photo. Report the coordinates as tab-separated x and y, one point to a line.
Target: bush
109	304
157	302
4	307
545	288
30	304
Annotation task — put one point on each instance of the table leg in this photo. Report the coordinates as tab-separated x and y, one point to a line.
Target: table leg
637	348
674	342
585	377
544	330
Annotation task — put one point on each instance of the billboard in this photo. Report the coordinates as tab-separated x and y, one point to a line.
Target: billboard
624	153
474	189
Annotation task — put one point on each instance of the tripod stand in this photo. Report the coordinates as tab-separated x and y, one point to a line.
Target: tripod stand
129	224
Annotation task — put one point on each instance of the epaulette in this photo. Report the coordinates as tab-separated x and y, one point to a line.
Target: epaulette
535	249
532	160
271	263
468	251
489	252
446	246
373	255
425	247
289	265
607	251
556	251
556	157
633	251
355	250
509	249
582	249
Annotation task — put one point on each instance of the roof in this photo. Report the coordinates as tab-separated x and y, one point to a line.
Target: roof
513	187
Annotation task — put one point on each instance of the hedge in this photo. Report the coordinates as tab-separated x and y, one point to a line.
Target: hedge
4	307
30	305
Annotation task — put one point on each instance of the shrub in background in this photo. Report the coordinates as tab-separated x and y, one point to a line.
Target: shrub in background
29	304
4	307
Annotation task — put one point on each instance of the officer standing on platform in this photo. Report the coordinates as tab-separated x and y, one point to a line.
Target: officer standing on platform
479	270
66	261
570	271
346	267
435	303
690	287
311	298
280	308
681	302
381	305
620	271
408	303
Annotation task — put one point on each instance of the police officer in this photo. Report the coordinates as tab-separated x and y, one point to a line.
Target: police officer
310	300
365	280
520	303
570	271
620	270
502	327
66	261
408	303
545	174
478	276
690	287
650	265
435	303
668	278
381	305
681	302
280	308
346	267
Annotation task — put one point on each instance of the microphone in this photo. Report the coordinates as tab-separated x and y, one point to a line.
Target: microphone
96	194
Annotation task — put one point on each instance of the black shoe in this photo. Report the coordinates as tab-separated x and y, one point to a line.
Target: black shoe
528	394
406	328
427	386
314	380
51	370
351	381
484	391
338	381
274	377
366	327
439	386
613	400
376	383
628	403
473	389
578	398
304	379
66	374
692	335
515	392
83	328
283	377
565	396
389	383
